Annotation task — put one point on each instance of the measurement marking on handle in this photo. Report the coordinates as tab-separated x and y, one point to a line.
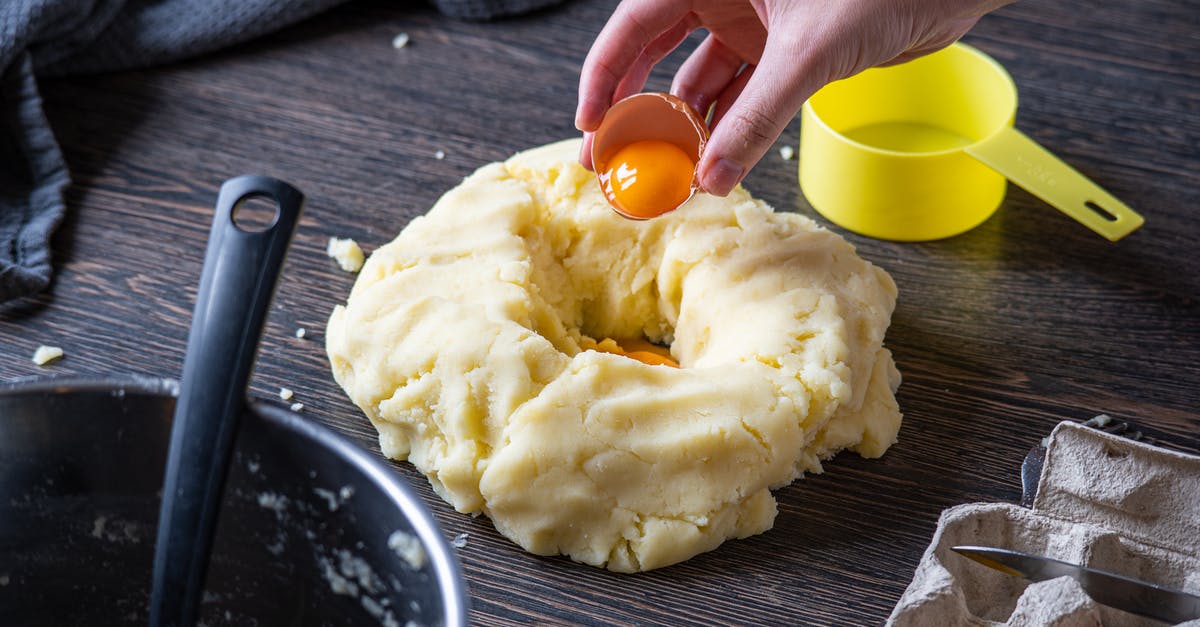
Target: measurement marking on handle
1037	171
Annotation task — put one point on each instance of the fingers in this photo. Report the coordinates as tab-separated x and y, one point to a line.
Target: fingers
637	29
585	152
755	108
636	78
729	94
710	69
657	50
750	81
719	172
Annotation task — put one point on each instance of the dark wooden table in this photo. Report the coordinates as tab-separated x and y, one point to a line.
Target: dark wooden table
1000	333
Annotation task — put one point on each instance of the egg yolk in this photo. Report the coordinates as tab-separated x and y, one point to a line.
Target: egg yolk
648	178
634	348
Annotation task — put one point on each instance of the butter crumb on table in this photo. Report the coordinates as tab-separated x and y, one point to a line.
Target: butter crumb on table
346	253
46	354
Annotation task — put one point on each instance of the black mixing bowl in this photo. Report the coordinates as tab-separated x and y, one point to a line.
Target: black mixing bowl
312	530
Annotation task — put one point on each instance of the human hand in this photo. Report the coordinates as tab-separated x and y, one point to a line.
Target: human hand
760	61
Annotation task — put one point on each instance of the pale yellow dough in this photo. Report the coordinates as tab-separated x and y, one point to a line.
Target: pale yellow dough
461	342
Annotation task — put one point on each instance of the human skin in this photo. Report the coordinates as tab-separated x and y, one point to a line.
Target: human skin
759	62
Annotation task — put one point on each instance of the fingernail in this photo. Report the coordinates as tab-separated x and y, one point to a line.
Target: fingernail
585	155
722	176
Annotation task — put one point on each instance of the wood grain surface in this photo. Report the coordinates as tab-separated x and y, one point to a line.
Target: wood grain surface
999	333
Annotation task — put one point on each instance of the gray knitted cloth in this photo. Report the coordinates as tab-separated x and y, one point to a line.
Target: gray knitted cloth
60	37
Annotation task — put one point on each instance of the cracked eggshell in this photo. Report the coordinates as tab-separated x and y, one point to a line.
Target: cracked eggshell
648	115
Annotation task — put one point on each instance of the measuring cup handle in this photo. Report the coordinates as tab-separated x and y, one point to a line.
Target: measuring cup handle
1026	163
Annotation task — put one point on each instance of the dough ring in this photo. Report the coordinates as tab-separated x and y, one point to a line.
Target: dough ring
461	341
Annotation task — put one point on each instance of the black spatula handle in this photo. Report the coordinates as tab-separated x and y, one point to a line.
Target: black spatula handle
241	266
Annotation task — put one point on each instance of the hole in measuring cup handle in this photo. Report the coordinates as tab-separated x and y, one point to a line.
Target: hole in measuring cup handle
1101	211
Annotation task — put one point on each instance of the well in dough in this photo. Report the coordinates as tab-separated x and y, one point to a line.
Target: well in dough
461	341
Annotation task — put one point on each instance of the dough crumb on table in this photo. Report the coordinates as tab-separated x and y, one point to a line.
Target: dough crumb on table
46	354
346	253
479	344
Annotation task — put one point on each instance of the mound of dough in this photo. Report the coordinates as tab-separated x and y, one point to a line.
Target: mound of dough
461	341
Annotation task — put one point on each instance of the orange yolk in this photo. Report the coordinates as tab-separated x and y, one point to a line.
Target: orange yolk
633	348
648	178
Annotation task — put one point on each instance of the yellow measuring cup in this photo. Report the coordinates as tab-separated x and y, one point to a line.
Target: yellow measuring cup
924	150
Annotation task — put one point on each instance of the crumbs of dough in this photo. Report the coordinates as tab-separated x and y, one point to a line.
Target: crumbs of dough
273	501
46	354
334	501
337	583
346	253
329	497
409	548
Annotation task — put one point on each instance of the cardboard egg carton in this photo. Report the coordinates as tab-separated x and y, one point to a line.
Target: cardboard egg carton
1102	501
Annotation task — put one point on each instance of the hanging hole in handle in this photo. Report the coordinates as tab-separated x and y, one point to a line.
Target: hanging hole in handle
1101	211
255	213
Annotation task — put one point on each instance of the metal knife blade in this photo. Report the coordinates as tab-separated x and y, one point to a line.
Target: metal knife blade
1124	593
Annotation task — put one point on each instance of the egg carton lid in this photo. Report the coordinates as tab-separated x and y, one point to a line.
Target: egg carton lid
1092	481
1141	491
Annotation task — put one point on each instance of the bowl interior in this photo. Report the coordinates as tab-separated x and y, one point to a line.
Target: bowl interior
312	530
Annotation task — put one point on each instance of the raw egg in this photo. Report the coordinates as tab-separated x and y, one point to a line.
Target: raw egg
634	348
648	178
645	153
